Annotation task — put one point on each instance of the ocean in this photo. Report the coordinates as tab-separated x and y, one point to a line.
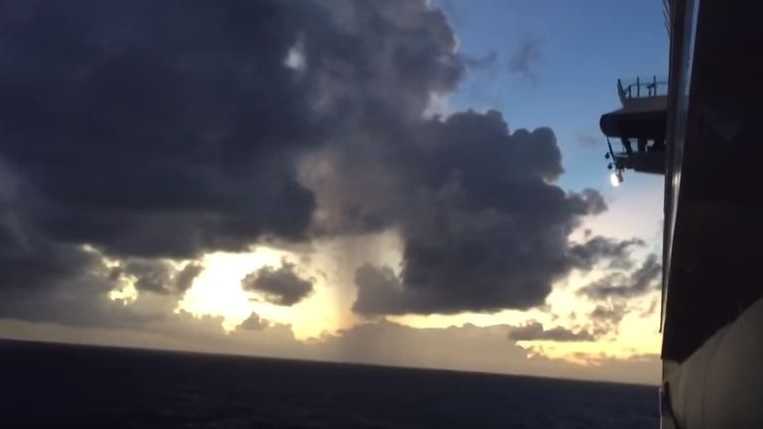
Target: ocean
60	385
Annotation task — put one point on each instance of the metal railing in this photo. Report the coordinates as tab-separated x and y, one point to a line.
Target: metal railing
642	88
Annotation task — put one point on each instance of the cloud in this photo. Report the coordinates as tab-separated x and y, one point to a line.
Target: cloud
42	280
179	145
184	279
644	278
606	318
150	275
254	323
533	331
282	286
29	263
525	58
485	262
156	275
147	144
621	285
152	146
483	224
613	291
610	314
598	248
83	301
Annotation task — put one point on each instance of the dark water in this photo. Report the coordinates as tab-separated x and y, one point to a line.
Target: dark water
59	385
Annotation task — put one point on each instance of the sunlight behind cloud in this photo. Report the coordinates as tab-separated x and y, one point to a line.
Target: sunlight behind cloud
127	294
217	292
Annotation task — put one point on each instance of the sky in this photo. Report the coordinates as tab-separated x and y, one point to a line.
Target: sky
406	182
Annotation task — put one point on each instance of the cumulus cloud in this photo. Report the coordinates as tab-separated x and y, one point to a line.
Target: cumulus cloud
281	286
483	224
534	331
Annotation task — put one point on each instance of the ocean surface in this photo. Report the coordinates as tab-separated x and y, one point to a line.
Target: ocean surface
62	385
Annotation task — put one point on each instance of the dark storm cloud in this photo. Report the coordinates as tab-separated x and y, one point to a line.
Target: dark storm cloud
153	130
484	226
621	285
534	331
146	141
29	263
42	280
524	60
168	129
77	295
149	142
282	286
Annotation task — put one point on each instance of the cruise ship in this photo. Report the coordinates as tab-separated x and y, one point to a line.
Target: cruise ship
701	128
